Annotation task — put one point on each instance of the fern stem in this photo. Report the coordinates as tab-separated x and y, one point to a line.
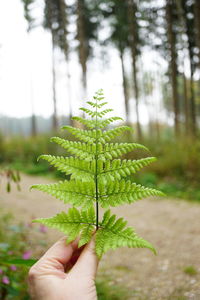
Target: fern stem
96	180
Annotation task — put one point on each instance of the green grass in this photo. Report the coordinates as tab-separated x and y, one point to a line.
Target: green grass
190	270
108	290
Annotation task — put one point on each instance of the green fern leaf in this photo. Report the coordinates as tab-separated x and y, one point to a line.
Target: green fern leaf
91	136
96	174
77	193
73	224
121	168
108	135
89	123
96	105
112	150
82	150
113	233
80	169
87	136
114	193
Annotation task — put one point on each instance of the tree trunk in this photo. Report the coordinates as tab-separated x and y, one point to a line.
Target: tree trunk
131	10
197	25
55	120
190	37
186	105
65	48
173	63
83	47
125	86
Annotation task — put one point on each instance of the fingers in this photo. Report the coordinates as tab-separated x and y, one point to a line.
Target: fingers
61	251
56	257
87	262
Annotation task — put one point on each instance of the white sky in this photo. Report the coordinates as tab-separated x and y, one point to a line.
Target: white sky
25	71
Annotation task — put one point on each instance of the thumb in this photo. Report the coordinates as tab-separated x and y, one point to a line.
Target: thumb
87	262
56	257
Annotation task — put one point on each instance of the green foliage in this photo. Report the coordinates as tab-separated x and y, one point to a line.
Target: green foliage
96	180
107	289
190	270
11	176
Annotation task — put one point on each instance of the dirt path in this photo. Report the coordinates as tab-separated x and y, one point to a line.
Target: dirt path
172	226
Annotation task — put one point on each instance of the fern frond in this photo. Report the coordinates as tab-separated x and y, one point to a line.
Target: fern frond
80	169
113	234
114	193
88	151
96	174
90	136
87	136
73	224
89	123
82	150
77	193
101	124
108	135
93	114
106	122
121	168
112	150
96	105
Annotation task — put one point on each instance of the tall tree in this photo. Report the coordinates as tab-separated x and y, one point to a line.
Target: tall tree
27	14
197	26
87	26
83	42
56	21
184	46
116	13
188	11
133	42
173	61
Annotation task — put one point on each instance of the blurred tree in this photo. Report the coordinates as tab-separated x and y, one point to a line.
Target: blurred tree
87	27
168	28
55	20
188	7
134	46
170	17
116	13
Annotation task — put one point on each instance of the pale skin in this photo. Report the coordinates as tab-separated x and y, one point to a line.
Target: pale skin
65	272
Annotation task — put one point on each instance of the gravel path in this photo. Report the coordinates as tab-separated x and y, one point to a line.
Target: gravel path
172	226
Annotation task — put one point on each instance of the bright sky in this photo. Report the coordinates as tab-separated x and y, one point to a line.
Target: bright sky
25	71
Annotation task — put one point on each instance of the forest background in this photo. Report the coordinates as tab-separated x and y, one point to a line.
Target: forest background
54	55
144	54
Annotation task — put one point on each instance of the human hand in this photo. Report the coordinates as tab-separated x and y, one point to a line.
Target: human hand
48	279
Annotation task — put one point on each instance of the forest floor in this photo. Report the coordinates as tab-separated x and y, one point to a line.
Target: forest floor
172	226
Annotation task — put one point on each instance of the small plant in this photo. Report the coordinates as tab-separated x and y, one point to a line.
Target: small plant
97	180
190	270
11	176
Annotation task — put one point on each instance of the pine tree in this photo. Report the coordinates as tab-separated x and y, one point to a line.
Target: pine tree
98	179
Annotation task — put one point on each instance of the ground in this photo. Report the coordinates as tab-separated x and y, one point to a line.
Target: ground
172	226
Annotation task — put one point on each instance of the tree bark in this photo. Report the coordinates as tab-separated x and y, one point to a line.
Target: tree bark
186	105
125	86
173	63
83	45
189	32
55	120
131	10
197	25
